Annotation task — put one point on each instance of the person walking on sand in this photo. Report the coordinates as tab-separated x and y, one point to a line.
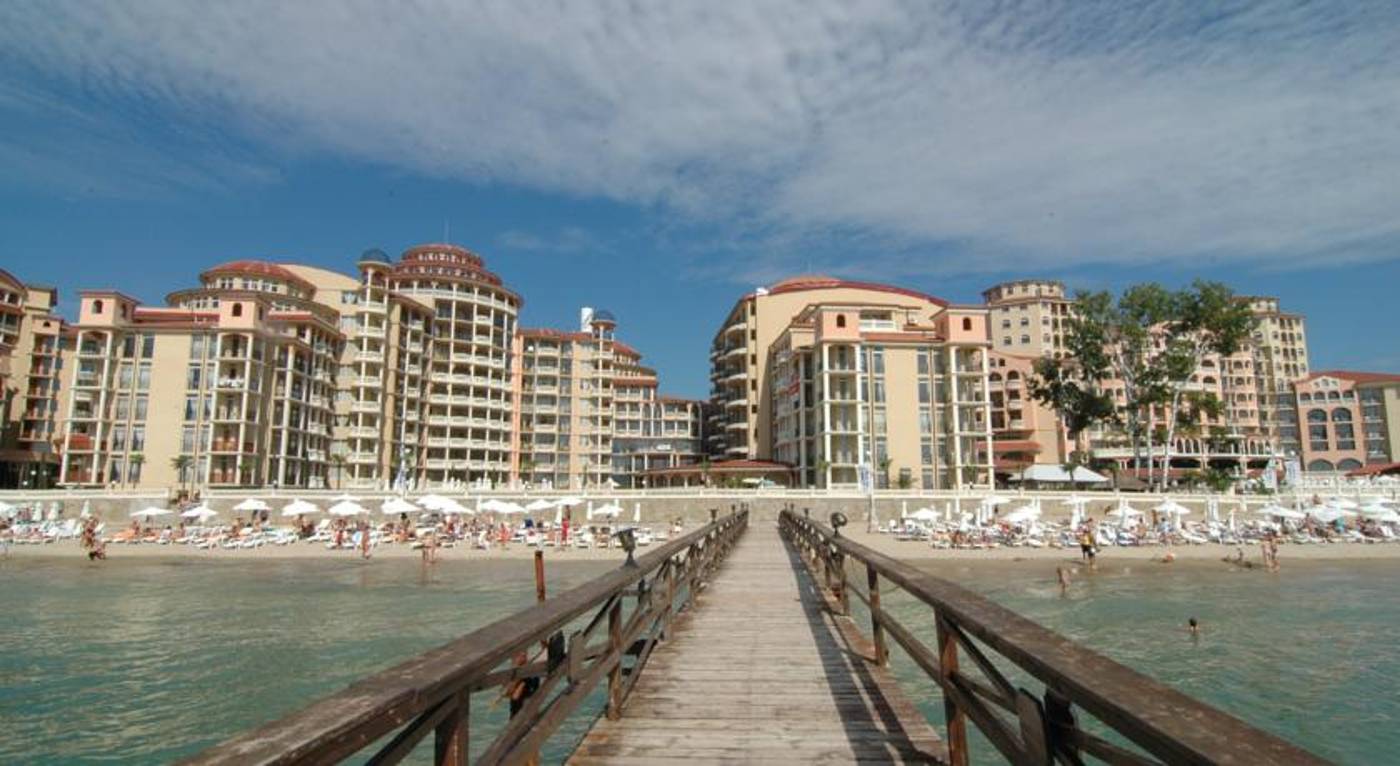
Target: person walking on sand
364	539
1063	575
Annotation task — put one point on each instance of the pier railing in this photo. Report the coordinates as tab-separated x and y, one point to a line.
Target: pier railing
974	639
632	608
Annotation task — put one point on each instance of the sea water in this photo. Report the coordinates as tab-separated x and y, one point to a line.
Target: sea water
142	661
1311	653
145	661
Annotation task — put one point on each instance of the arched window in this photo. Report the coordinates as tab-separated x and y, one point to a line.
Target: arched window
97	306
994	377
238	309
1317	416
840	320
967	324
1320	465
1341	415
1013	375
1333	396
1348	464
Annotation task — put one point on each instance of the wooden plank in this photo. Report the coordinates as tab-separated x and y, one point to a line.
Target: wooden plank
763	671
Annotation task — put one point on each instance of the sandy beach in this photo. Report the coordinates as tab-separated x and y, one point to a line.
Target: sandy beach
887	544
302	550
921	551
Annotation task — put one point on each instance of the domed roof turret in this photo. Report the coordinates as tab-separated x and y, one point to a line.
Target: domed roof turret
374	255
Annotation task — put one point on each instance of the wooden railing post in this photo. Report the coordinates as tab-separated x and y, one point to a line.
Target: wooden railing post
615	675
877	629
842	595
451	736
953	717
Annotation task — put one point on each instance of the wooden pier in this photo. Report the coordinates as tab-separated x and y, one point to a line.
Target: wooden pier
763	671
736	644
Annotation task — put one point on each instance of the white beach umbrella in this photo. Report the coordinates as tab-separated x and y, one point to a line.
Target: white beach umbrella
201	512
1343	503
1375	509
924	514
1021	515
1075	500
346	508
448	505
1173	508
395	505
299	508
1124	512
539	505
150	513
433	501
1325	513
991	500
501	506
568	501
610	510
252	504
636	513
345	498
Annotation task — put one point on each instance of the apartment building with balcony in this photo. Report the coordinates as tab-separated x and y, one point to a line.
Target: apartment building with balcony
236	376
588	412
33	344
1280	350
895	382
1028	317
1351	420
739	424
1024	431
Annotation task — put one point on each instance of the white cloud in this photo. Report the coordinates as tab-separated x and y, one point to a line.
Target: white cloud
1032	134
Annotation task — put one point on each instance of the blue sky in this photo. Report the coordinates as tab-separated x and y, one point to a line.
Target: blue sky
661	160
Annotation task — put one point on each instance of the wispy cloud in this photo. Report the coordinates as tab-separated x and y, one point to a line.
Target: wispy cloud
1032	134
569	240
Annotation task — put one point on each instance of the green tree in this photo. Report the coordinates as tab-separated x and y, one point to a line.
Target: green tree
705	465
1206	319
181	464
884	464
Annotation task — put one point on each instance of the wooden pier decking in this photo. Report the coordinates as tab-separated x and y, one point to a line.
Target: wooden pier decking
768	675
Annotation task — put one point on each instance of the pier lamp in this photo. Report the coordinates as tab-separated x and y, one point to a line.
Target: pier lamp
838	520
627	538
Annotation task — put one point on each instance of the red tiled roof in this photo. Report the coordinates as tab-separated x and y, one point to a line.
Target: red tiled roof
259	269
1357	377
1375	469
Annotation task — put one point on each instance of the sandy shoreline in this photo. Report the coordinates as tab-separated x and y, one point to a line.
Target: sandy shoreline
886	544
922	551
302	550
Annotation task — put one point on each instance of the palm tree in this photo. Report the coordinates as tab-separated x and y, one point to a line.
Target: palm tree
181	464
705	470
338	461
884	464
137	460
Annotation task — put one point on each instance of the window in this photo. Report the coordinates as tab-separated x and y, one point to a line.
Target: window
143	377
840	320
238	309
1341	415
1006	324
97	306
138	438
1317	416
967	324
191	407
148	346
1025	339
140	412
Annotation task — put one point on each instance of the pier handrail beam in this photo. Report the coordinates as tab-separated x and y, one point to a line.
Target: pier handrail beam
1165	723
431	693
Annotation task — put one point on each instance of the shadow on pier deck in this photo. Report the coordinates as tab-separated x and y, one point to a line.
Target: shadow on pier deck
765	672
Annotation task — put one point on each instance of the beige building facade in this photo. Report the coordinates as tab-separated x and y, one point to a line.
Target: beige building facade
33	346
835	378
1351	420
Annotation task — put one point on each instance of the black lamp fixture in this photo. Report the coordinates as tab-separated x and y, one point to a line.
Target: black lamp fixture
627	538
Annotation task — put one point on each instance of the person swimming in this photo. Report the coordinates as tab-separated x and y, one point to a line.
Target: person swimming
1193	627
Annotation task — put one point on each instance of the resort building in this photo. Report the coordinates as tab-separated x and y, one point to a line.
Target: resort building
229	385
424	378
33	343
821	375
588	412
1028	317
1280	349
1024	431
1352	420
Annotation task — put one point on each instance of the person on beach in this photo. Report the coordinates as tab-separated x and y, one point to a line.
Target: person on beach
430	546
1193	627
1062	575
1086	546
364	539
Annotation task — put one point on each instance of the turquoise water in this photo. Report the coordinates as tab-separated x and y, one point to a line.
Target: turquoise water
146	661
1311	654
